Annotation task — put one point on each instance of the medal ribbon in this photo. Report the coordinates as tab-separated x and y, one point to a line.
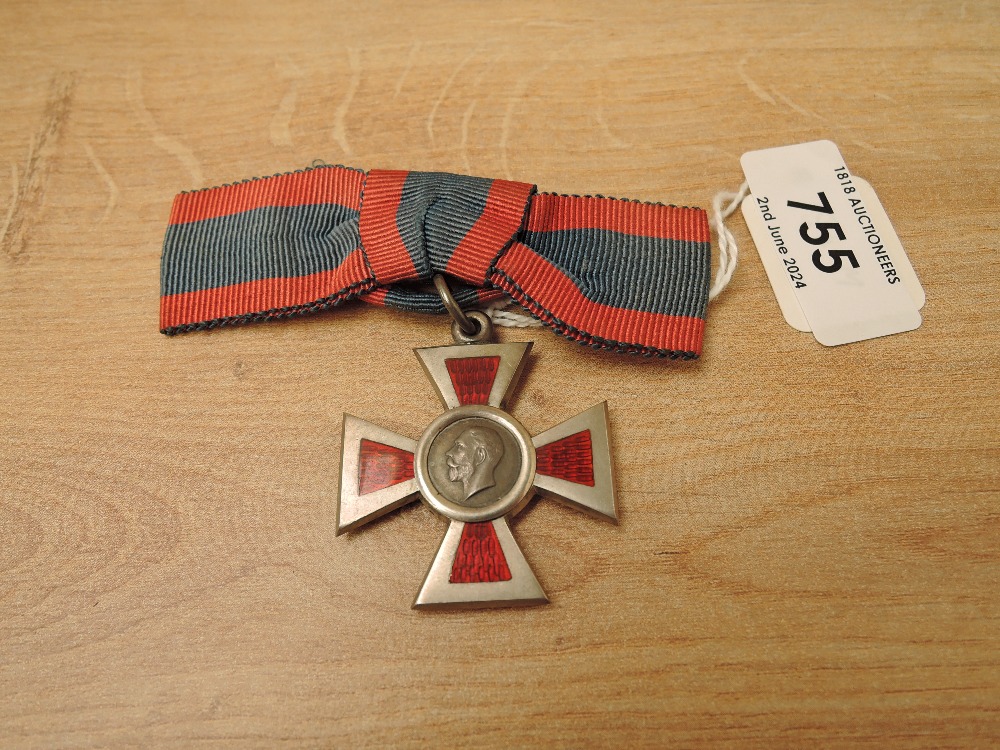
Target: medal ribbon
609	273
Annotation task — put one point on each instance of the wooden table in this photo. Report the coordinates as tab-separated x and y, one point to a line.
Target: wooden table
808	549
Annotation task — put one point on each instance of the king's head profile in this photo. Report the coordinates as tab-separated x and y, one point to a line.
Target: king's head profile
473	458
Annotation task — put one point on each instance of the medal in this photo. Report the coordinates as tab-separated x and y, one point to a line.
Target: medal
611	274
476	466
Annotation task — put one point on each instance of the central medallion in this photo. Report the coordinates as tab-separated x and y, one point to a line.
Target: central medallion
475	463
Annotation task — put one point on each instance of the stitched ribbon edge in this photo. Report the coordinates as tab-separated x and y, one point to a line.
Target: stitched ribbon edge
348	293
550	320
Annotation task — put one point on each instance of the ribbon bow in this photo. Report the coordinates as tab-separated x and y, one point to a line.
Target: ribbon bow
609	273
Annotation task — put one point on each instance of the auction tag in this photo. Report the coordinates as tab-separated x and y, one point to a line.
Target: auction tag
835	248
775	268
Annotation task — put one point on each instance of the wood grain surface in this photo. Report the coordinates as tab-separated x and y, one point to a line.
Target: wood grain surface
808	549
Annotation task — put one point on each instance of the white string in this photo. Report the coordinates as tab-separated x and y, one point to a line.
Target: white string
729	253
503	312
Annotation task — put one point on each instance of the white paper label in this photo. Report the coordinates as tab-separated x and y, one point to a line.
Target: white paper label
775	268
832	244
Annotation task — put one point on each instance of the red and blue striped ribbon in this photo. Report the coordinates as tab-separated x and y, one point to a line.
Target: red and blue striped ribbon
609	273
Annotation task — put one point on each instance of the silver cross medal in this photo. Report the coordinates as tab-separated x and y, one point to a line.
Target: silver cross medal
478	467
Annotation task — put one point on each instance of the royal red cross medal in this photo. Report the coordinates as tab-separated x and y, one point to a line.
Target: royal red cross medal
617	275
476	466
